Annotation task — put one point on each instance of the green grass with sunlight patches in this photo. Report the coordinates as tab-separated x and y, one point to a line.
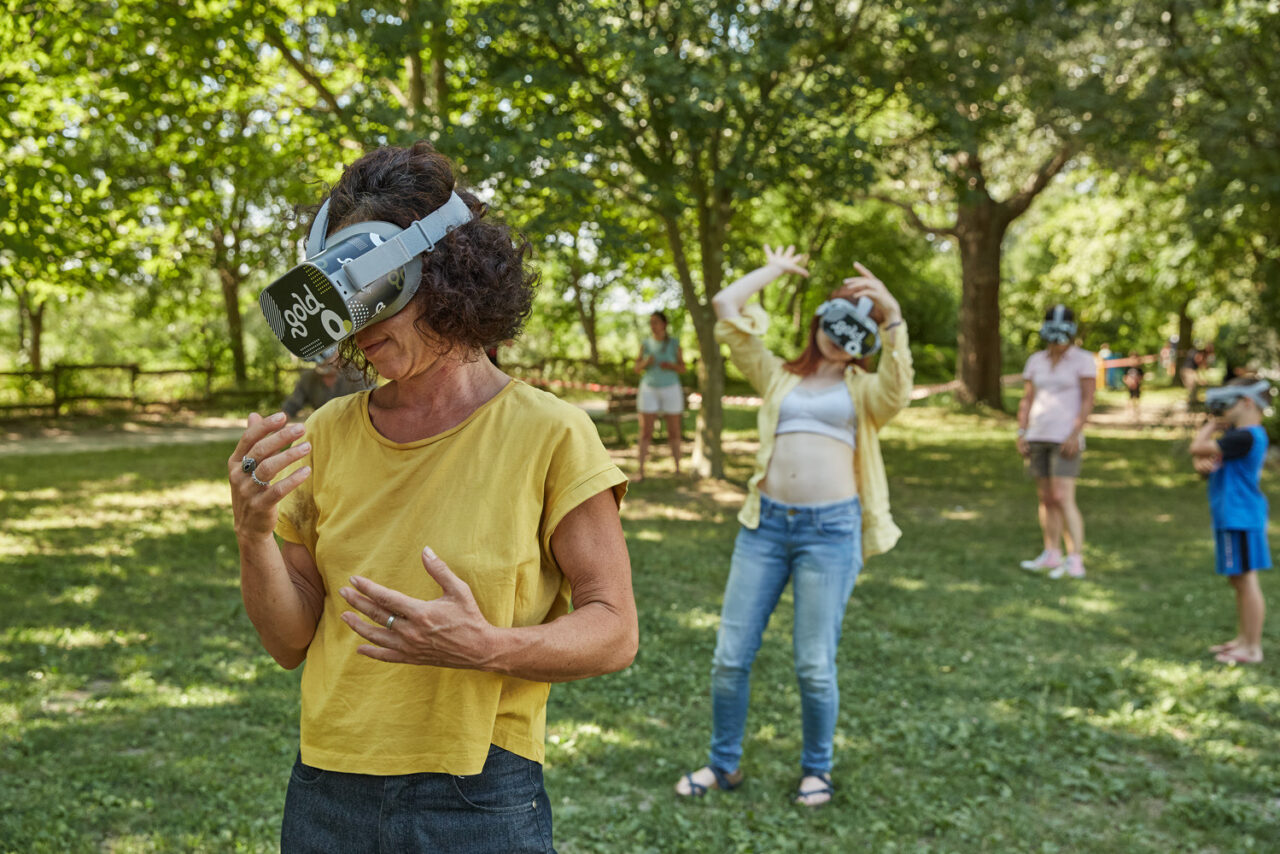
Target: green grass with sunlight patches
983	708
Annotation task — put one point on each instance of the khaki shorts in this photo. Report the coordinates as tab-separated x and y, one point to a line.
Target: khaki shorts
1046	460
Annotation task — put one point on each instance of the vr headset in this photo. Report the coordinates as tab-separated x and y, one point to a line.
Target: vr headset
850	326
1219	400
360	275
1058	327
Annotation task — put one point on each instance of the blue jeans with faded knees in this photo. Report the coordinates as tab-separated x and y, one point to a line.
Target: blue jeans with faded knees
819	549
501	810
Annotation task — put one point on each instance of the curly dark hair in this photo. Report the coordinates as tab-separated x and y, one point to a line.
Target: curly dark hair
475	290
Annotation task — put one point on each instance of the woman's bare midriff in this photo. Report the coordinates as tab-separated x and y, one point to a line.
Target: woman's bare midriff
809	468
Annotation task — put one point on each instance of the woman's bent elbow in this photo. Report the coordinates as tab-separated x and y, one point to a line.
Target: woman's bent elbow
287	656
624	652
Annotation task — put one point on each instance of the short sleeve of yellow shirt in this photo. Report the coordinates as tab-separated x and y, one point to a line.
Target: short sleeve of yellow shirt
486	495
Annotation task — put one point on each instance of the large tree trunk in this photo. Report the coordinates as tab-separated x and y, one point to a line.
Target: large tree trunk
708	454
235	326
980	231
36	319
1185	342
586	305
31	329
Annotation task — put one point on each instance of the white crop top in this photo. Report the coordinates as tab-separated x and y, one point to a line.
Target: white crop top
827	412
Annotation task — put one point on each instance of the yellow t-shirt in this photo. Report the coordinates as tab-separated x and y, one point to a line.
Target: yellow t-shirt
486	496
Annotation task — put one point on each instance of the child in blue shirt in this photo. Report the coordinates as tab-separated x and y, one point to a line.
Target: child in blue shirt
1233	461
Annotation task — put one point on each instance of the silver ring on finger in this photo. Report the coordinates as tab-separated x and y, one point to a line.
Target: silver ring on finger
248	464
391	619
263	483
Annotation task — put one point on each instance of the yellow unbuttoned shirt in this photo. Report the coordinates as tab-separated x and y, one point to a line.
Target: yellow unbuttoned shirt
486	496
876	399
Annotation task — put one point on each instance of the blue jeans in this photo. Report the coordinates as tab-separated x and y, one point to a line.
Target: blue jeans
502	809
819	548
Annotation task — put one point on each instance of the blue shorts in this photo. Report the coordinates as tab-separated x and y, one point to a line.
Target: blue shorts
1241	551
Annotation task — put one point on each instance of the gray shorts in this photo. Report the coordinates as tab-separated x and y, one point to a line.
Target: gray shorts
1046	460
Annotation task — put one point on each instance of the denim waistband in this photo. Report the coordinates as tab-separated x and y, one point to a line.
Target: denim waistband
810	512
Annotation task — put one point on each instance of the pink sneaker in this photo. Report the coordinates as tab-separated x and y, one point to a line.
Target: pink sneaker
1074	567
1045	560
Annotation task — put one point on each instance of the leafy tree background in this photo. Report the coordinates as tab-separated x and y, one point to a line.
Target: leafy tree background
159	161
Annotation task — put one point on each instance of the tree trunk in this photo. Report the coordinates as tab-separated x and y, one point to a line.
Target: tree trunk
586	305
980	231
235	326
1186	329
587	317
708	455
36	320
30	330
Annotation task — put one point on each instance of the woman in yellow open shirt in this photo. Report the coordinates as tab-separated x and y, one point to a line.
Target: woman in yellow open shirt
817	504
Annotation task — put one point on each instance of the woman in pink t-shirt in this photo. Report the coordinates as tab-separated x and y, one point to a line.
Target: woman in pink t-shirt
1059	386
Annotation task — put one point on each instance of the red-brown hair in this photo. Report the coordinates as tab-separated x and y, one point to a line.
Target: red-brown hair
810	357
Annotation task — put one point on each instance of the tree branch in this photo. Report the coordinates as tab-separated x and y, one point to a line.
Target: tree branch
271	35
913	217
1017	204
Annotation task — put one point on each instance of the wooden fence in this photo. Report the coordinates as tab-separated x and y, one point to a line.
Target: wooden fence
64	386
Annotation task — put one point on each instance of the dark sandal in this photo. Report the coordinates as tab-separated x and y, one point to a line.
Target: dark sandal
697	790
827	788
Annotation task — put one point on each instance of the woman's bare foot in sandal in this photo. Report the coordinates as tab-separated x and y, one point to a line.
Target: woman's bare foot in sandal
1226	647
697	783
814	791
1241	654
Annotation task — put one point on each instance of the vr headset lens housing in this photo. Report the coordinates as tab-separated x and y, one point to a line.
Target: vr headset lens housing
1058	331
850	326
1059	326
360	275
1218	400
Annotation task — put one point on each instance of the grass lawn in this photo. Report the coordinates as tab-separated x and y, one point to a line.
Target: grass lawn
983	708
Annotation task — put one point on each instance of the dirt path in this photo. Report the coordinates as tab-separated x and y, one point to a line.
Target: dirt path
74	437
129	434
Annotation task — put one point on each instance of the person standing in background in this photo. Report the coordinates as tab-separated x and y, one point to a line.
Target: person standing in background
1133	377
661	361
1231	449
1059	383
817	505
1190	373
319	385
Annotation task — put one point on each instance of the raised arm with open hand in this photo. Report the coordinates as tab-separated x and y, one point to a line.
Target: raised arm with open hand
867	284
778	262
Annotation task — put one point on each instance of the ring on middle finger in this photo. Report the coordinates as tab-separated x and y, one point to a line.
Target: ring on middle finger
263	483
248	464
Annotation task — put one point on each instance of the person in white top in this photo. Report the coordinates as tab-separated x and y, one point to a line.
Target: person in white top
1059	385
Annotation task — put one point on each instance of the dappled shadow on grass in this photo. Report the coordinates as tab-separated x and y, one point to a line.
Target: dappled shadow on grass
162	777
983	708
139	711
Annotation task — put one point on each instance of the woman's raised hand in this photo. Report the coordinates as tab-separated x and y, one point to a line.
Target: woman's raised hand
261	454
868	285
786	260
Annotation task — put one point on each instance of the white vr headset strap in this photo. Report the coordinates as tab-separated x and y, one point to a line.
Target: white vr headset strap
319	227
422	236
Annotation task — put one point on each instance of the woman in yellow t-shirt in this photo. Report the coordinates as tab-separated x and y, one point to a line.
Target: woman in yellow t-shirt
431	532
817	504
